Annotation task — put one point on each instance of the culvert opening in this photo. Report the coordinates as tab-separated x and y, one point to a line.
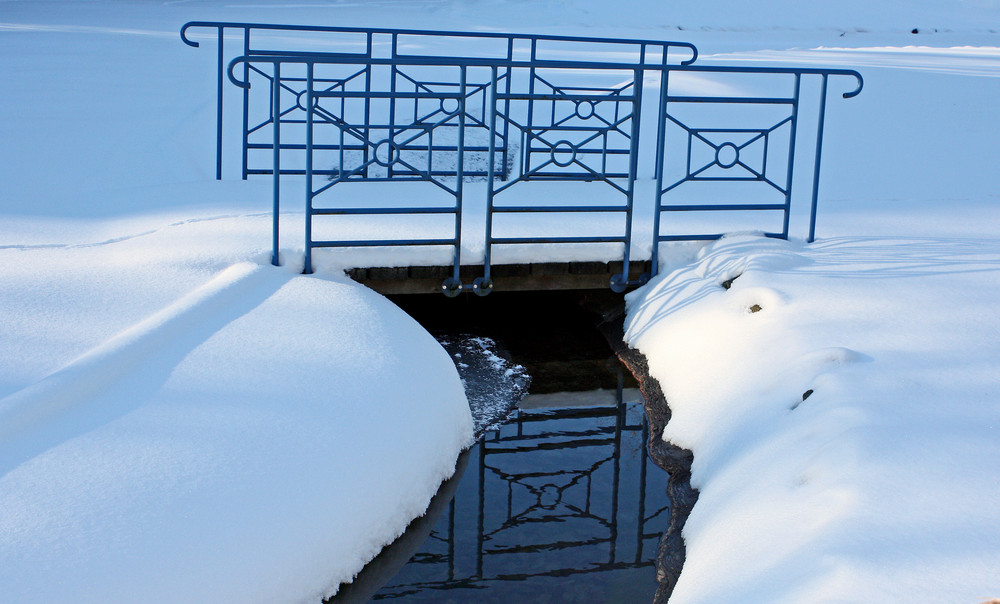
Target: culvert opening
557	502
550	333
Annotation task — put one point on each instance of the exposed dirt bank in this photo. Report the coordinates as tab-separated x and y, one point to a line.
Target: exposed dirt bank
609	312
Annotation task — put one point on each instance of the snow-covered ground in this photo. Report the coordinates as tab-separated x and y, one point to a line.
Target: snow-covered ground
181	422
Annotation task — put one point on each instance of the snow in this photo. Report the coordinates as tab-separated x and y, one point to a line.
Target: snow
845	436
493	384
180	421
259	439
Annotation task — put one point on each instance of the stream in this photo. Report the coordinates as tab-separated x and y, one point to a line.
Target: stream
556	501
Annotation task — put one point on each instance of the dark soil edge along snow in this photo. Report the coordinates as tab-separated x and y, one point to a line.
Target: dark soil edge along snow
609	312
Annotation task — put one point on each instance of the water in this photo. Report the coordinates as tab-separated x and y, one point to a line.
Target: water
556	502
555	506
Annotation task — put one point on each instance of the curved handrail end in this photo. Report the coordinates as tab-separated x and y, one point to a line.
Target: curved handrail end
232	75
184	29
694	53
856	91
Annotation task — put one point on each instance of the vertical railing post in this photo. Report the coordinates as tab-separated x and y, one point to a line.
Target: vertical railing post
276	161
393	74
661	131
791	153
246	102
453	286
368	102
218	110
307	268
819	155
620	282
484	285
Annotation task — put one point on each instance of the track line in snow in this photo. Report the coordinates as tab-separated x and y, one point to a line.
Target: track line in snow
961	60
83	29
123	238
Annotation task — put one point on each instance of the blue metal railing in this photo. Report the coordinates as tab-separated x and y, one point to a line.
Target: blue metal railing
361	43
730	158
401	105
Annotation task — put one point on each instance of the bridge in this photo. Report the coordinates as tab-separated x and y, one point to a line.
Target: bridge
510	161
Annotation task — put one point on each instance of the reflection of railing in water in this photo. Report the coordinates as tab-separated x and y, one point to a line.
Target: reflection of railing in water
559	492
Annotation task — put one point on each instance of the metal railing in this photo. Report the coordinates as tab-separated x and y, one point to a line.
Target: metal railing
509	109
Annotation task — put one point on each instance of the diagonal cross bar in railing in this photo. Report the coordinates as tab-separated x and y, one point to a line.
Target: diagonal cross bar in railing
729	160
572	128
518	116
255	39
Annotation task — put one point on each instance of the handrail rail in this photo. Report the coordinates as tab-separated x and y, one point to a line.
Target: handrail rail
786	70
348	59
247	26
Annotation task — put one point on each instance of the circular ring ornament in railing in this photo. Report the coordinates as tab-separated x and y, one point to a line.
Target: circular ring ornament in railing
585	109
563	148
450	106
386	153
300	100
727	155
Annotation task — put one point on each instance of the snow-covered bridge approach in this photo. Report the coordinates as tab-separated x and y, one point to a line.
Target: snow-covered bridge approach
519	161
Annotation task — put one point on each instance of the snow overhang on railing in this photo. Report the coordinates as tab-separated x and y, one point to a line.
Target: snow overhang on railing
519	112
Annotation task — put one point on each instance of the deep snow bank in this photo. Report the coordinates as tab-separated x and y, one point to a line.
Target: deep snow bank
258	449
843	406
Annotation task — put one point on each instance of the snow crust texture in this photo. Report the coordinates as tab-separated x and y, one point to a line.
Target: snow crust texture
493	384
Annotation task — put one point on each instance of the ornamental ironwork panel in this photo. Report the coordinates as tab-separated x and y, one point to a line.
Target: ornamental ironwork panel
565	124
523	114
727	154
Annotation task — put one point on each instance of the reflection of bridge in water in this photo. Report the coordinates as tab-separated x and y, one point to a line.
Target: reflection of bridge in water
558	492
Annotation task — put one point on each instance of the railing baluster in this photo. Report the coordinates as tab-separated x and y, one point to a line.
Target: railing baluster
454	286
791	154
276	159
484	284
816	161
246	103
218	110
307	269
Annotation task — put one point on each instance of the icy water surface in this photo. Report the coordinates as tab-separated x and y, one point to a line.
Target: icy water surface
555	506
557	501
